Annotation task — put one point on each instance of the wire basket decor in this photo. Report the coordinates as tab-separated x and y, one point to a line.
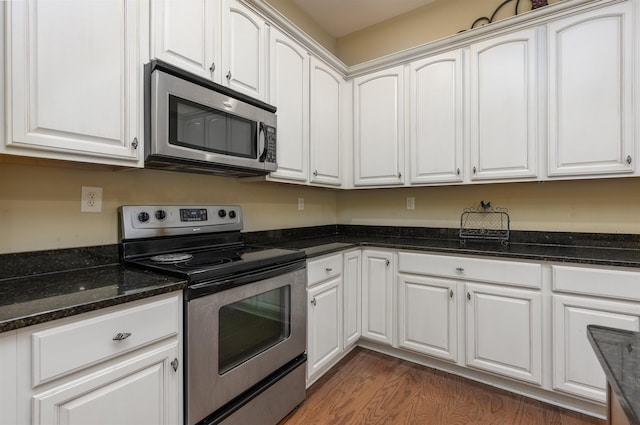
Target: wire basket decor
485	222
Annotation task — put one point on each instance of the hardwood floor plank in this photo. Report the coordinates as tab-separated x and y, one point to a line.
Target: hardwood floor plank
369	388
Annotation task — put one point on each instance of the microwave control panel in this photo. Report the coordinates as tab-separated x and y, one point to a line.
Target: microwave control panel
270	144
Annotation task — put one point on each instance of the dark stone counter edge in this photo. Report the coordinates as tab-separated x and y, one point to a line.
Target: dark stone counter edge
47	316
611	379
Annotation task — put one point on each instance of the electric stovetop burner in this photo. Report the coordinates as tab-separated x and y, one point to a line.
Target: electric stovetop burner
200	243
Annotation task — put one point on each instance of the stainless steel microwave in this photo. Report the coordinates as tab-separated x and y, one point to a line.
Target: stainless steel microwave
195	125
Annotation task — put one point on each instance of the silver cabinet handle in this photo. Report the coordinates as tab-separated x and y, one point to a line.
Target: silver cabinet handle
313	301
475	170
459	269
329	269
229	75
469	296
134	144
399	175
121	336
388	262
629	159
174	365
212	67
458	172
315	173
450	293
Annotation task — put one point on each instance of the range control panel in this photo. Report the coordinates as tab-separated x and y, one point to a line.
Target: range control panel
146	221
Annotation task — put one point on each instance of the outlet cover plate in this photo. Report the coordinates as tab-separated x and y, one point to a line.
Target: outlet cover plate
91	199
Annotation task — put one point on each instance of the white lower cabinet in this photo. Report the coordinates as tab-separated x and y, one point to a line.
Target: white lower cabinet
120	365
324	314
352	291
141	390
377	296
589	296
427	316
8	378
504	331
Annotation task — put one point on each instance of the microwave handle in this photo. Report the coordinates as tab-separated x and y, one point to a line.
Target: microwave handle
262	142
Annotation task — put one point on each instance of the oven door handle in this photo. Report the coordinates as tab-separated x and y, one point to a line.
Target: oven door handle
210	287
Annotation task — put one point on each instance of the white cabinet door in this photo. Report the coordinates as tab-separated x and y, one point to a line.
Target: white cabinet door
503	80
504	331
326	118
75	80
377	296
141	390
290	94
186	33
244	56
436	119
8	378
352	292
590	93
576	370
324	335
379	128
427	315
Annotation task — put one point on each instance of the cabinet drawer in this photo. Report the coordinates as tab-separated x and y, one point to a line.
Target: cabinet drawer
324	268
592	281
462	268
63	349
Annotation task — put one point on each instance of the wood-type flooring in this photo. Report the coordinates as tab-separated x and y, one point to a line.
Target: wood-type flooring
369	388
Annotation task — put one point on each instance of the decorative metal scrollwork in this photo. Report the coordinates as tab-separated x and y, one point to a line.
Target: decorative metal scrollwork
535	4
485	222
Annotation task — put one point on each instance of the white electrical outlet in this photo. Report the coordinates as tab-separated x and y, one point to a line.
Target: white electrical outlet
91	199
300	204
411	203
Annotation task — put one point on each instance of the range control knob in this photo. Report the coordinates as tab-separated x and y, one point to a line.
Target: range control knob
143	217
161	214
232	214
222	213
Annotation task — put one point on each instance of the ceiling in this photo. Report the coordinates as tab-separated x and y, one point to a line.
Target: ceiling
342	17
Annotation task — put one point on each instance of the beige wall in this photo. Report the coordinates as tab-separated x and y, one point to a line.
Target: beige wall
40	206
600	206
304	22
432	22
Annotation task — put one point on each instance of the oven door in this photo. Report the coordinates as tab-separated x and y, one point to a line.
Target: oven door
239	336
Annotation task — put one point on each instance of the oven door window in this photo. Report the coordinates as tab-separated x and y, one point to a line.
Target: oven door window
199	127
251	326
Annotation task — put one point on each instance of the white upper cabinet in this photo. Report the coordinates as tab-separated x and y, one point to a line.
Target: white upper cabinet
290	94
590	93
74	80
503	104
379	128
326	116
186	33
244	58
436	119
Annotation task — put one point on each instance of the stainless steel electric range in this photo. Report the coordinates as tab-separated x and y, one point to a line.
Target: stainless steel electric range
245	310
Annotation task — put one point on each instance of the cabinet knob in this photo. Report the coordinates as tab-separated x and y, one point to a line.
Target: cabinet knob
313	301
134	144
315	173
450	293
212	67
475	170
388	262
469	296
174	365
121	336
328	269
229	76
458	172
399	175
460	269
629	159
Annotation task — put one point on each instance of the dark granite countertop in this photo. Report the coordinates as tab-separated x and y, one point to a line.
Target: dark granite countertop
619	354
39	286
597	249
36	288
